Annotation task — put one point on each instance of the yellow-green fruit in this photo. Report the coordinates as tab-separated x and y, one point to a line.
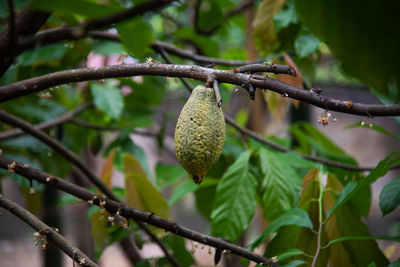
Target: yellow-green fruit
200	133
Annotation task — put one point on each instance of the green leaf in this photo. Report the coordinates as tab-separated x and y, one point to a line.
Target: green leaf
310	137
128	146
182	190
108	99
289	253
280	185
101	236
210	14
374	127
349	238
389	198
212	47
42	54
136	35
263	24
306	44
107	48
296	160
353	187
294	216
141	193
235	200
67	199
168	174
363	45
205	194
286	16
302	238
149	92
81	7
294	263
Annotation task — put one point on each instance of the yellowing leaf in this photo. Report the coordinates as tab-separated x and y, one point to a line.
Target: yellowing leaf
277	104
101	237
347	222
141	193
307	240
108	167
33	201
264	28
338	255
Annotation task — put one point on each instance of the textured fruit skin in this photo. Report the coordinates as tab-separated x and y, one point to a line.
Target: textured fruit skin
200	133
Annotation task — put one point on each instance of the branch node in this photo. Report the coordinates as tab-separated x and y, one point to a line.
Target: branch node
292	71
150	215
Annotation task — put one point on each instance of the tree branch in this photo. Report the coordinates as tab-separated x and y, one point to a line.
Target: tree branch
71	157
43	229
275	146
184	53
39	83
129	212
47	124
27	23
274	68
57	146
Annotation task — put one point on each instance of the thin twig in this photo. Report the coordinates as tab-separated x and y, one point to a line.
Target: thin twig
89	125
43	229
129	212
47	124
36	84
